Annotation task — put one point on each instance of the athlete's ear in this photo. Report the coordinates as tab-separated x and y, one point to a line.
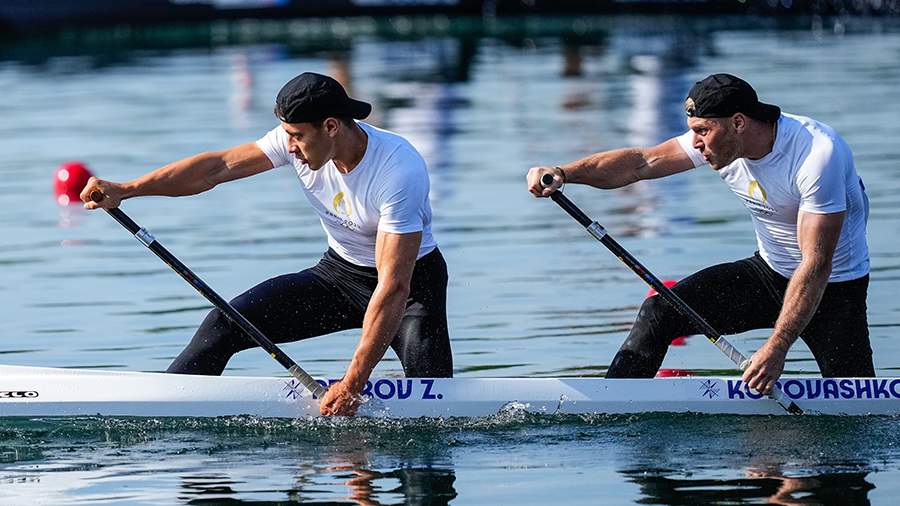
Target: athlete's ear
331	126
738	122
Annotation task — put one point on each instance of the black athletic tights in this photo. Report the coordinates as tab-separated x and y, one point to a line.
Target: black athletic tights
331	296
744	295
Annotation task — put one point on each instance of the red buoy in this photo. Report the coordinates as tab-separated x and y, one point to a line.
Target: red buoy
69	180
669	283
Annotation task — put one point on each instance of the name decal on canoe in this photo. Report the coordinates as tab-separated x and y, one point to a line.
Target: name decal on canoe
796	389
419	389
18	394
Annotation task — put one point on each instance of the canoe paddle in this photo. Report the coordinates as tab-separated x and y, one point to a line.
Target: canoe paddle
221	304
599	233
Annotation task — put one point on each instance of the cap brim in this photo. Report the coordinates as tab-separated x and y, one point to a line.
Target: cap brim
359	109
768	112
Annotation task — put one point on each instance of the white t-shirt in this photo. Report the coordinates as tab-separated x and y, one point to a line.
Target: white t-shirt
387	191
810	169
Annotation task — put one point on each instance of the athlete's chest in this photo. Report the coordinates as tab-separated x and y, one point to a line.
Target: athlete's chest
347	202
768	192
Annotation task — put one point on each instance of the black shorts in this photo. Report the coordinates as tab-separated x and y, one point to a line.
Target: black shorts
745	295
329	297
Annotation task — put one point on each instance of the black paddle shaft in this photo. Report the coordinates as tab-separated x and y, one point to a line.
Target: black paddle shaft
221	304
622	254
596	230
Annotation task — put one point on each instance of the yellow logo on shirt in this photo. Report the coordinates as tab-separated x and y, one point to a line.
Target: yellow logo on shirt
754	185
342	205
757	205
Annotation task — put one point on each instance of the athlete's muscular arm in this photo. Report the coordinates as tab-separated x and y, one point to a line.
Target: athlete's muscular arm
395	259
614	169
189	176
818	236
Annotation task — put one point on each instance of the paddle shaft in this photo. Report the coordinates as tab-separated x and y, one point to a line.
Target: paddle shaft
147	239
599	233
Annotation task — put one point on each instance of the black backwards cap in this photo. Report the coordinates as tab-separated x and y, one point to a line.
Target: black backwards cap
722	95
310	98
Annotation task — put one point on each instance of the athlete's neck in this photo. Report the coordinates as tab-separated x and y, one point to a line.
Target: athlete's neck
350	149
762	140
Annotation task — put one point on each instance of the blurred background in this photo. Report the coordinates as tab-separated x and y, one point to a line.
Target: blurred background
26	16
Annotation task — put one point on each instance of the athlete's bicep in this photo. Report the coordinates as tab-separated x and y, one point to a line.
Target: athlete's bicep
818	235
395	257
241	161
821	179
403	200
665	159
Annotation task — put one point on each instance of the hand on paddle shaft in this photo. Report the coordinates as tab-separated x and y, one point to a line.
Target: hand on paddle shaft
100	194
765	367
763	374
541	187
340	400
337	401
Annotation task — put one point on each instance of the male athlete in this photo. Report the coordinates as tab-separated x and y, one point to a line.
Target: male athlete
382	272
809	278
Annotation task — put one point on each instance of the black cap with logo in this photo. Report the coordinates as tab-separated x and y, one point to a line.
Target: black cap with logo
310	98
722	95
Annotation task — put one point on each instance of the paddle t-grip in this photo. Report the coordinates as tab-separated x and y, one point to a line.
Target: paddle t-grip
546	180
97	196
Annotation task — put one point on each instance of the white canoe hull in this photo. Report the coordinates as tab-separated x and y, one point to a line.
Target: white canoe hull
36	391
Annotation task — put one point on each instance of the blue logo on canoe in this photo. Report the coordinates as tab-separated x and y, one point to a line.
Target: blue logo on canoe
710	388
293	389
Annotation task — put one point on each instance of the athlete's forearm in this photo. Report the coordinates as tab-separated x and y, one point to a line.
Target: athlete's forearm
801	299
380	325
188	176
608	169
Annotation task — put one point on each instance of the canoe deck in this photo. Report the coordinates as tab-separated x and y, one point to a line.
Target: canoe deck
37	391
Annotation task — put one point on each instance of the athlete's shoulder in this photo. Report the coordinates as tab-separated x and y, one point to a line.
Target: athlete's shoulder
809	127
386	139
275	146
394	153
806	137
820	157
